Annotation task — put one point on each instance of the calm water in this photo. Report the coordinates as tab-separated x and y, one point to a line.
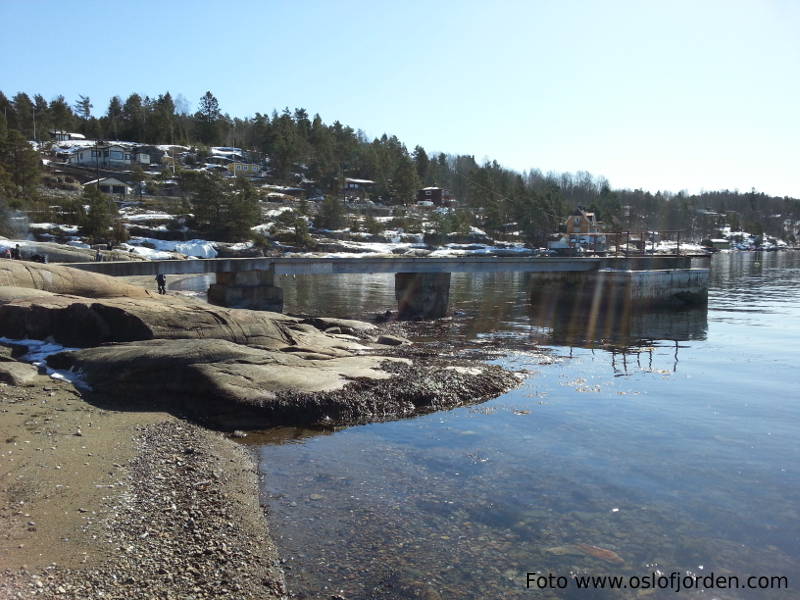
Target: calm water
672	440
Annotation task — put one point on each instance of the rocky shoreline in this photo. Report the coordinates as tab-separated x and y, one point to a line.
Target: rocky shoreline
180	518
128	489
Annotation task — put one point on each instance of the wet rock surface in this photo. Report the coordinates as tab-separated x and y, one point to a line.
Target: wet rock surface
412	390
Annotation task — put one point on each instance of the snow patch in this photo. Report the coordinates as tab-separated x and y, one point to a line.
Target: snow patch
39	350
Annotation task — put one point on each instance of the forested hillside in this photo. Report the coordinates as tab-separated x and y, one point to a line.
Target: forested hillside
298	147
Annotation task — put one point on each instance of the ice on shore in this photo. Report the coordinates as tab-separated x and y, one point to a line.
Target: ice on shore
39	350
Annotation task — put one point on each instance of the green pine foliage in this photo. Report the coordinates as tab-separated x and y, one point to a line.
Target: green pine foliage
99	220
222	210
296	147
331	214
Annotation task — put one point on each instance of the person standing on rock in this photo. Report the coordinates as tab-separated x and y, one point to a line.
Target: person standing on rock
161	280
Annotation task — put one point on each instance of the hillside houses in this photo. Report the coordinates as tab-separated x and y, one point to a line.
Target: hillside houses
108	156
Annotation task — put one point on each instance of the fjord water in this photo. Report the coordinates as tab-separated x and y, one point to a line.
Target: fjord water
671	439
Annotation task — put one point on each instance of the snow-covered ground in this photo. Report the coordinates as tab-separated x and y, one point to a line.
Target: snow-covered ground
70	229
147	216
162	249
479	250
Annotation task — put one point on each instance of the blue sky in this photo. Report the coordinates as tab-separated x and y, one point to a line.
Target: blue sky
700	94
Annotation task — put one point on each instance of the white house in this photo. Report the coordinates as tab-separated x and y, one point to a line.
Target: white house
110	185
59	135
107	155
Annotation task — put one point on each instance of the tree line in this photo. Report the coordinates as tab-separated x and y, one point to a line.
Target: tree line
300	147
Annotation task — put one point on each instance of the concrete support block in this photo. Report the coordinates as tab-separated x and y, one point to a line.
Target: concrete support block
247	289
676	288
422	295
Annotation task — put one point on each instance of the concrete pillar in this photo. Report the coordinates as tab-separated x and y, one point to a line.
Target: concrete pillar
620	288
422	295
255	290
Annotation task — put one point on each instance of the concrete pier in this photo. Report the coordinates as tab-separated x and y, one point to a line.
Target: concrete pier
422	295
662	288
422	285
247	289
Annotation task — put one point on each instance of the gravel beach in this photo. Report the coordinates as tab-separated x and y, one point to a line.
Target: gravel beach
113	504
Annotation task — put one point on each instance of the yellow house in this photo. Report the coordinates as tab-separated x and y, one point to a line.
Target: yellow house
581	221
245	169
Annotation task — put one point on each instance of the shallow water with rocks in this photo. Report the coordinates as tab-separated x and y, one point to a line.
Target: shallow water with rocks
638	445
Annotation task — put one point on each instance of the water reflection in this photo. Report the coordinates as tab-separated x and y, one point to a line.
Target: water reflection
615	329
690	463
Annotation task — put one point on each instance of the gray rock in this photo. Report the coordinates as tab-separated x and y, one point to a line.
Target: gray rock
392	340
66	280
17	373
215	380
11	352
344	325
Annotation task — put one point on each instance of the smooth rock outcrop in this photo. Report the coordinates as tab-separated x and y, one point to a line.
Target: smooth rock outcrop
230	368
78	308
65	280
215	381
81	322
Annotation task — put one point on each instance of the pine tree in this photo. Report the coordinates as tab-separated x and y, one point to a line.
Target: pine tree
133	119
23	109
243	210
302	239
21	164
331	214
112	121
207	118
406	182
61	114
97	222
421	162
8	112
83	107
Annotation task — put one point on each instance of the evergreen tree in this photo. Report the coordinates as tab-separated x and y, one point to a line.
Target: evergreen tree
207	118
421	163
21	164
331	214
44	122
302	239
223	211
99	219
8	112
83	107
61	114
114	118
133	119
205	191
23	110
406	182
242	211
